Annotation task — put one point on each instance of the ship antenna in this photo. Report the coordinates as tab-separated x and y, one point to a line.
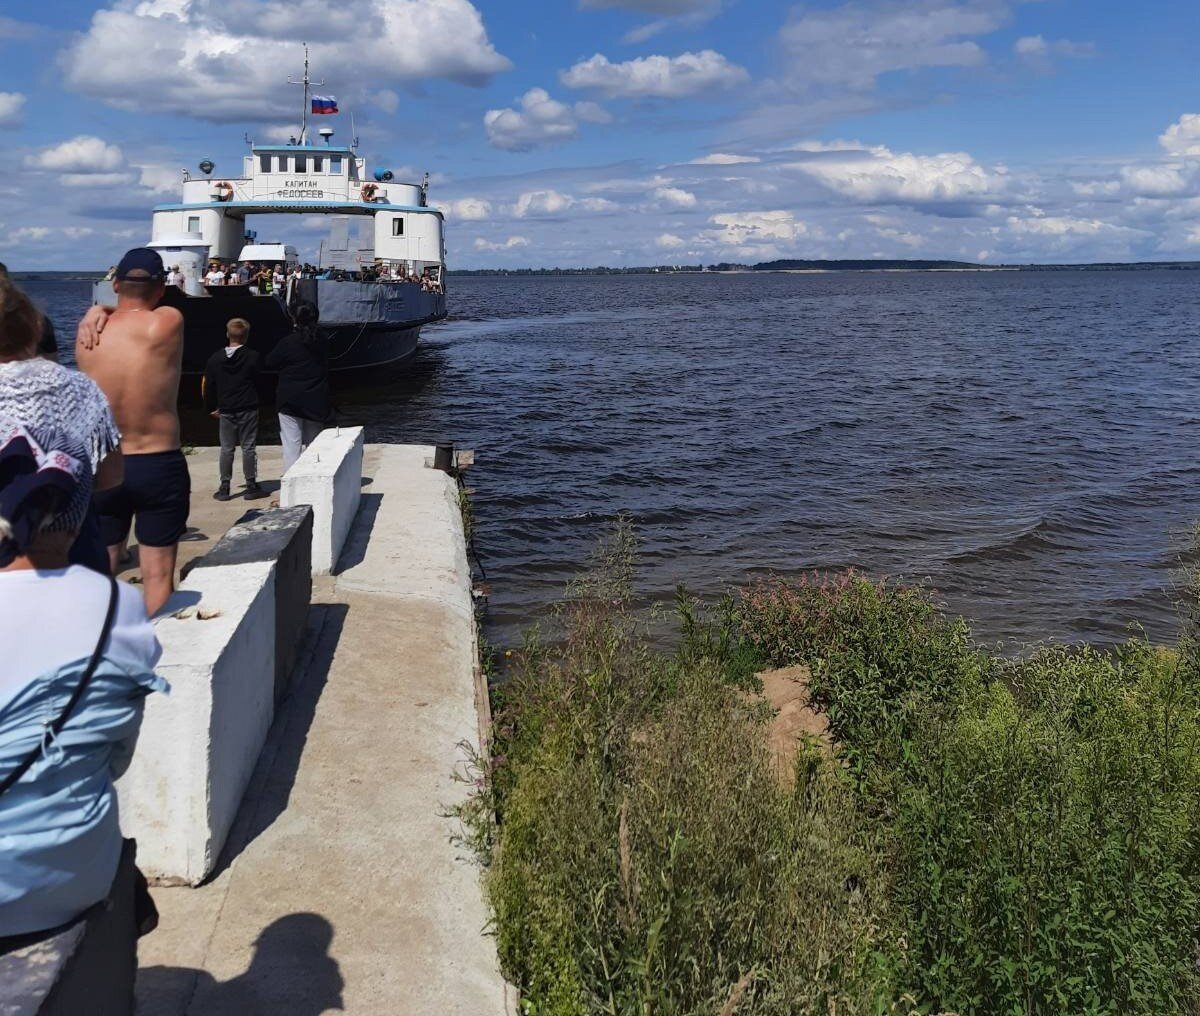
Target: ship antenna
306	83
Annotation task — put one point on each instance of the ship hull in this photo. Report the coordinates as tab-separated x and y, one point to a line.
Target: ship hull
372	330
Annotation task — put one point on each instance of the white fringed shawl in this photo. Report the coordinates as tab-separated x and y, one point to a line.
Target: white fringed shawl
64	410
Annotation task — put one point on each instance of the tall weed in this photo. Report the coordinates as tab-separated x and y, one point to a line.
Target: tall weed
646	859
1040	818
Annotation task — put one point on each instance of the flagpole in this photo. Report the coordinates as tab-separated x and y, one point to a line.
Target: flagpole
304	108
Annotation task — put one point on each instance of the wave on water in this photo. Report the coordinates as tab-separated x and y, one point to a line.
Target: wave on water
1027	439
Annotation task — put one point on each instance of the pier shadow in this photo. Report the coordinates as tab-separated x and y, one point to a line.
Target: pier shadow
354	550
270	786
291	972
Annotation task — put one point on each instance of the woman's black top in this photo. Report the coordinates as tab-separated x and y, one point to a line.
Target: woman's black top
303	367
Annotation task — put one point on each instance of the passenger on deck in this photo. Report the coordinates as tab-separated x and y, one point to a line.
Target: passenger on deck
215	276
243	274
175	276
304	398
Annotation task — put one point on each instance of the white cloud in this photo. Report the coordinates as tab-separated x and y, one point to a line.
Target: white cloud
1031	45
11	28
592	112
11	105
747	229
32	233
1183	136
660	7
656	76
850	46
541	120
669	241
541	203
724	159
1096	188
160	178
85	154
1065	226
1163	181
467	209
510	244
124	179
43	234
1037	47
222	60
551	203
877	174
595	205
385	99
685	13
674	197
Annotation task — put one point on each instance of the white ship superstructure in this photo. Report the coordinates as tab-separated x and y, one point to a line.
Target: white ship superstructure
376	280
404	233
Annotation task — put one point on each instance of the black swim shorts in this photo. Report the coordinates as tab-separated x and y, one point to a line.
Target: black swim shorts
157	492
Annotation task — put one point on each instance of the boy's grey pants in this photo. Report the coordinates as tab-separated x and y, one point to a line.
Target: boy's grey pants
239	429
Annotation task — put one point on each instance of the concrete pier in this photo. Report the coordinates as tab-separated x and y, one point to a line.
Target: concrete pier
340	887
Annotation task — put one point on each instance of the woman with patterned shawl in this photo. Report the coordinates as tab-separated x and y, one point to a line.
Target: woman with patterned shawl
79	651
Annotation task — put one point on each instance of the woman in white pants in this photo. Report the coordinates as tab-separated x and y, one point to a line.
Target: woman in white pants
303	399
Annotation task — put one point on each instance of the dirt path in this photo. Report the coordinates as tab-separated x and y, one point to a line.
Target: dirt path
786	690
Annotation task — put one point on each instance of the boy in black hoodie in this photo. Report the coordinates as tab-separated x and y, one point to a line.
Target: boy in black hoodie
231	395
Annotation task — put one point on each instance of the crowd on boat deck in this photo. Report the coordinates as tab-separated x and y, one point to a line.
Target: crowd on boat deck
274	277
87	457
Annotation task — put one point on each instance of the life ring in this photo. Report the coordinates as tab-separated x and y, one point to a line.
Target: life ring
368	191
224	190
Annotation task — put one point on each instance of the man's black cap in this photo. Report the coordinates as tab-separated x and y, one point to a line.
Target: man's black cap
141	263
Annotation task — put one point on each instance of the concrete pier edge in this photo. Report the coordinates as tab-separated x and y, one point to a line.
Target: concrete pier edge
342	885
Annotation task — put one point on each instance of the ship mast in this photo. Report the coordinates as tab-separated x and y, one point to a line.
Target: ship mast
305	108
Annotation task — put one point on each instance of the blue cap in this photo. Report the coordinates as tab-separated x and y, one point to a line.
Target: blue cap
141	263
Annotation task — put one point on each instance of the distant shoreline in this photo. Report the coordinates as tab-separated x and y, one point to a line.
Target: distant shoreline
814	267
787	267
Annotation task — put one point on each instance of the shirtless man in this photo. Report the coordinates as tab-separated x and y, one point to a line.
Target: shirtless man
137	363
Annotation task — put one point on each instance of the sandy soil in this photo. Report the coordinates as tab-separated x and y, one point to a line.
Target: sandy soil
786	690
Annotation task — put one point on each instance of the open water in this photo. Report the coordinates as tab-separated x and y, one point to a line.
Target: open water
1027	442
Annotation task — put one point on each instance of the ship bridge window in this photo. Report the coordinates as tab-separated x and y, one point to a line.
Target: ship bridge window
281	163
318	164
264	163
301	164
193	224
335	164
398	226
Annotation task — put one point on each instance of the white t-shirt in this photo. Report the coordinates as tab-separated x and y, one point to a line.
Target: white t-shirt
215	279
51	618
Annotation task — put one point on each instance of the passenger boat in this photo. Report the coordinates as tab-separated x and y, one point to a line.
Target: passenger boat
380	275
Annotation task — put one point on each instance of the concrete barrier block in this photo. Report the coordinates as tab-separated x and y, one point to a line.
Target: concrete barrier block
327	476
282	535
199	745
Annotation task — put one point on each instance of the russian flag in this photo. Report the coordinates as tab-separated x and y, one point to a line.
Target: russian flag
323	104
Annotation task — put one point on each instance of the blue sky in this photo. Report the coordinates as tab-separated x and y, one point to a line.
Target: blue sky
582	132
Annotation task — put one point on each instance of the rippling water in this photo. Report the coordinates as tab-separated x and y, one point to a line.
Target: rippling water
1027	442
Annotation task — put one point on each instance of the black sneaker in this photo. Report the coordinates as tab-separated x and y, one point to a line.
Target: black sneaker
222	494
254	492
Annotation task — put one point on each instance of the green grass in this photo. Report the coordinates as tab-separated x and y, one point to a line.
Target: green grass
990	836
